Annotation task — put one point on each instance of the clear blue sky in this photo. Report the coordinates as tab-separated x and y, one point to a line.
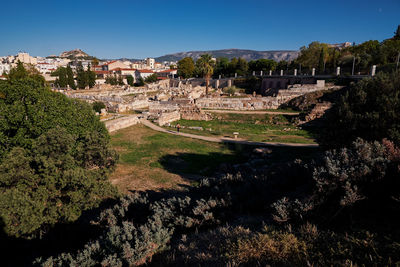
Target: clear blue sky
138	29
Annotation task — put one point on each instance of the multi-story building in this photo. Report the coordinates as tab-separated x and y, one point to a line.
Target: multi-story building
143	74
150	63
4	67
25	58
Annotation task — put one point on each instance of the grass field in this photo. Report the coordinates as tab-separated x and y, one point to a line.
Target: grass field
252	127
150	160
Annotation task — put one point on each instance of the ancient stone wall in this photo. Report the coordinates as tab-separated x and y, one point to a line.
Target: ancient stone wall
120	123
193	112
167	117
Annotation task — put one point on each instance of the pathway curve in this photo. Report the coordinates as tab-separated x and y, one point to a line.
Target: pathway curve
251	112
223	139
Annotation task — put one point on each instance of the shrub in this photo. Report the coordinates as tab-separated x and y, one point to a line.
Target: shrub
98	106
369	110
363	172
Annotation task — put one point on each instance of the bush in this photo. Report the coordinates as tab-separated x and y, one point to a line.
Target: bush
364	172
98	106
151	79
368	110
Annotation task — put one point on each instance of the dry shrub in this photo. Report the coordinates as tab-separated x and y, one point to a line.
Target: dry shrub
269	247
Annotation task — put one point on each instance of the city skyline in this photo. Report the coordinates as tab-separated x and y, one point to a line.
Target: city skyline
132	29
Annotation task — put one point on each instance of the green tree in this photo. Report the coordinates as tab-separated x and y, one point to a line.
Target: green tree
369	110
282	65
321	63
98	106
81	76
129	79
70	78
186	67
91	77
205	68
239	66
120	80
62	79
262	65
310	56
54	157
151	79
397	33
140	82
222	66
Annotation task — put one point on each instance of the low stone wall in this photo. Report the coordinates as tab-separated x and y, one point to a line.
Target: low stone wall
245	103
167	117
120	123
136	104
193	112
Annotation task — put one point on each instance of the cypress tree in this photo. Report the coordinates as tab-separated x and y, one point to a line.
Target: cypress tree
321	61
91	77
70	78
81	77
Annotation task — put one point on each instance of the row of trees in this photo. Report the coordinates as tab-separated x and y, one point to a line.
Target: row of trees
118	80
114	80
65	77
326	58
204	67
321	56
85	78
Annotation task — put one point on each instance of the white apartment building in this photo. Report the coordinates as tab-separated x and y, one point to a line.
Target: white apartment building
150	63
4	68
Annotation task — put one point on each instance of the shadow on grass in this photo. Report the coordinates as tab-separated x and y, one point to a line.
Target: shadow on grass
193	166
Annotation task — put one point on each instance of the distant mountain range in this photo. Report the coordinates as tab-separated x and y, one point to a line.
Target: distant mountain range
276	55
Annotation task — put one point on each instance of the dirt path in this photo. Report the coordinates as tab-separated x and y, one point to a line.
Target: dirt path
223	139
251	112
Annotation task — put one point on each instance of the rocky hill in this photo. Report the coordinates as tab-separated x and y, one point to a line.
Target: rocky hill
277	55
76	53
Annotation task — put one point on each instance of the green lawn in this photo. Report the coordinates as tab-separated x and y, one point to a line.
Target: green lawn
252	127
153	160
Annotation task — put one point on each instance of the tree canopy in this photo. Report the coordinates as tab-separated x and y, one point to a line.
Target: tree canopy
369	109
54	157
186	67
205	68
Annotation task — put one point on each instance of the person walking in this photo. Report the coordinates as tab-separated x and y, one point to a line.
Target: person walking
178	127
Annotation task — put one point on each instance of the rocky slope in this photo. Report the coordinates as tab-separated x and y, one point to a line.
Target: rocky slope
74	53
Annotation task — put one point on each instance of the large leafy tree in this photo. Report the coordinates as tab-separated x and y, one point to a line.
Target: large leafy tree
369	109
262	65
310	56
54	157
186	67
205	68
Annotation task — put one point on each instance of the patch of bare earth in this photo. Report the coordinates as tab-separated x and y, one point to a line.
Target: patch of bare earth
134	178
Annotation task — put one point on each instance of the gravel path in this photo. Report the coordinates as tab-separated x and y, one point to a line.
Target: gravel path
250	112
